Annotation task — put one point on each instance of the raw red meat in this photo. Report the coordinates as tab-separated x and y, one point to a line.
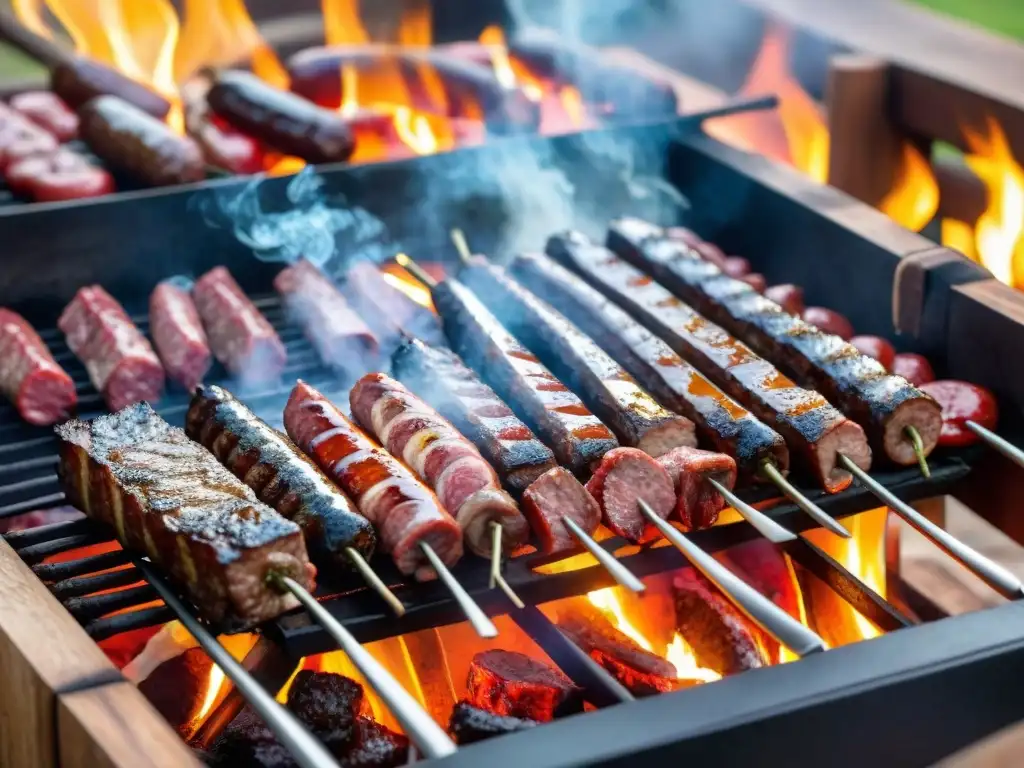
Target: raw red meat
555	495
59	175
178	334
121	362
510	683
788	296
625	476
698	502
828	321
20	137
47	110
914	368
240	336
30	378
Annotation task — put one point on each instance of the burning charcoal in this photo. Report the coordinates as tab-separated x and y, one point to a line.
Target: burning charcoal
721	637
510	683
469	724
327	704
248	742
643	673
177	687
376	747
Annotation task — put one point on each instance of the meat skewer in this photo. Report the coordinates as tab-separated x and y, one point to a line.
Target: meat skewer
577	437
813	428
901	422
728	426
418	533
614	396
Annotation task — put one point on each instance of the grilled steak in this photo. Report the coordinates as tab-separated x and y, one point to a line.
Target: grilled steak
625	476
280	474
449	463
552	497
610	392
178	334
722	638
476	411
641	672
558	416
168	498
404	510
812	428
698	502
719	419
121	363
470	724
240	337
340	336
510	683
30	378
883	404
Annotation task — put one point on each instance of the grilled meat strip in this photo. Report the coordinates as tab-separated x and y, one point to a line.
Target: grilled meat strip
513	684
476	411
719	419
698	502
387	493
178	334
469	724
883	404
30	378
168	498
577	437
550	499
433	448
812	428
610	392
280	474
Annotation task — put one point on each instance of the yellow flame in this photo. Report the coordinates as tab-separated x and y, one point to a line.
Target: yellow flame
399	278
572	103
959	235
415	131
681	656
494	38
212	691
30	14
606	600
914	197
999	229
341	23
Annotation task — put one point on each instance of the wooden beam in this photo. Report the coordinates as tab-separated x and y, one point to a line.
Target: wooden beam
962	195
945	73
43	652
113	726
864	146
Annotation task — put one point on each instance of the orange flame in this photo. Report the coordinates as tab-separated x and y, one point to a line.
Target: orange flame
999	234
914	197
510	73
400	278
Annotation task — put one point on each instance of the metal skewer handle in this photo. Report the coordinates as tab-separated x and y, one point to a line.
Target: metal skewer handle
420	727
307	750
793	494
762	611
483	625
993	574
619	572
1004	446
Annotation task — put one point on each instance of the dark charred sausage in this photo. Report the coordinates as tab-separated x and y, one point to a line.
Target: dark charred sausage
81	80
125	137
281	120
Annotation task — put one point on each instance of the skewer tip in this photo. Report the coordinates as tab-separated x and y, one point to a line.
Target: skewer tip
793	494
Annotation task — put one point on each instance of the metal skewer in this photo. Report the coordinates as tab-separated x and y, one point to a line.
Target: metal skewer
764	525
790	491
496	578
922	458
420	727
993	574
375	582
307	750
461	245
618	571
483	625
762	611
1004	446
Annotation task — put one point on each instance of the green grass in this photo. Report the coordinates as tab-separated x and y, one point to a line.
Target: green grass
1003	16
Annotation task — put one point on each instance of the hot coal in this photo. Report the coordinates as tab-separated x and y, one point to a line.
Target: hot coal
721	637
176	687
376	747
470	724
328	704
510	683
642	673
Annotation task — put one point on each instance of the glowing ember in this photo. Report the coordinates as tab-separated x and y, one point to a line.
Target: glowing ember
212	692
998	236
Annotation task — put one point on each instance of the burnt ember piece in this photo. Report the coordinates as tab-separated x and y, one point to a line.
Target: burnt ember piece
248	742
470	724
376	747
326	703
177	686
121	362
341	338
513	684
721	637
168	498
642	673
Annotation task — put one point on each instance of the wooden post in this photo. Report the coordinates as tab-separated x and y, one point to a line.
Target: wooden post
962	195
864	146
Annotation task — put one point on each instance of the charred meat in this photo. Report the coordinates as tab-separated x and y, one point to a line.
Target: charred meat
513	684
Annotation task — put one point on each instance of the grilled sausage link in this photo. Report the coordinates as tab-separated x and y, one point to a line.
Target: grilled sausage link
128	138
404	510
883	404
282	120
812	428
636	418
679	386
280	474
80	80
